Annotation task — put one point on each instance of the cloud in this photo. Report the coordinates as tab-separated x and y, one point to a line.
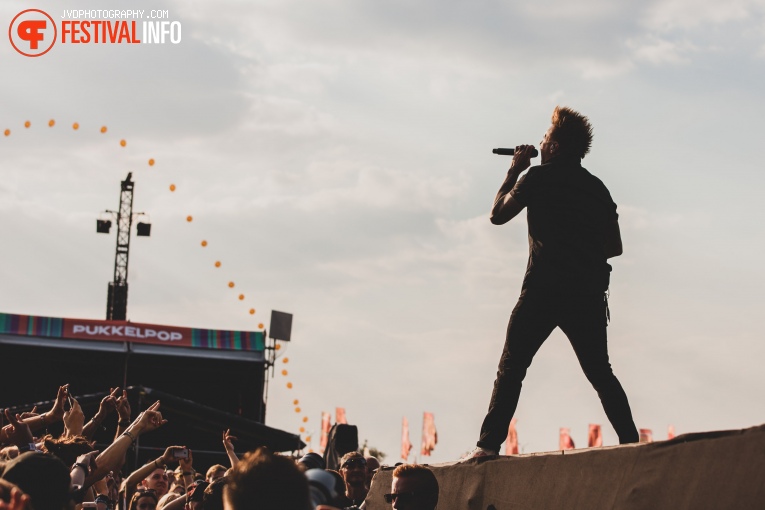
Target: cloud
601	69
668	15
657	51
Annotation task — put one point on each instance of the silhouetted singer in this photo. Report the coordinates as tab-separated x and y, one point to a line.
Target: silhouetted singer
573	230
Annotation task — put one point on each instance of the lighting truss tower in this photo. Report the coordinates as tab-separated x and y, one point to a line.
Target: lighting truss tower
116	298
116	301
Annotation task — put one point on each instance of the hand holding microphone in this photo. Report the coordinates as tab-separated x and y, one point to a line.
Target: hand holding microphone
510	152
522	155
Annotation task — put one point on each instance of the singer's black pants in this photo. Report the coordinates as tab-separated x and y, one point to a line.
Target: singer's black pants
582	317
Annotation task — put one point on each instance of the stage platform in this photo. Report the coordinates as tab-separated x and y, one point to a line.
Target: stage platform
710	470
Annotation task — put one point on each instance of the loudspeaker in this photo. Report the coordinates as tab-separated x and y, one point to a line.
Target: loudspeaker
103	226
281	325
143	229
116	302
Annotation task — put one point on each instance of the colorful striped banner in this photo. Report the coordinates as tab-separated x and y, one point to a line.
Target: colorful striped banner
121	331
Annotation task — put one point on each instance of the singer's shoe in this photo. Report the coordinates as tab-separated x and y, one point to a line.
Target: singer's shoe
479	452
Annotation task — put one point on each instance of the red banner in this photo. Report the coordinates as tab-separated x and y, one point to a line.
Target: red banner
325	426
671	432
646	436
429	434
511	444
406	444
340	415
595	437
565	443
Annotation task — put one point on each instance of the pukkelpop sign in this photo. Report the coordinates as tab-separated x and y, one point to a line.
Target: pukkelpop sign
123	331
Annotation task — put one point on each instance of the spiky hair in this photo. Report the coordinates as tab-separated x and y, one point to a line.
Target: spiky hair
572	131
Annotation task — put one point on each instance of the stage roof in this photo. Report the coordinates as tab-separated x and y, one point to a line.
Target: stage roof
121	336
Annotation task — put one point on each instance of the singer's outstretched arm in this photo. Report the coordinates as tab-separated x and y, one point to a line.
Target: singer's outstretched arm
505	206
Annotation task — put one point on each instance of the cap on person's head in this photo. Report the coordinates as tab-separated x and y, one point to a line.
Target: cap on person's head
196	492
43	477
313	460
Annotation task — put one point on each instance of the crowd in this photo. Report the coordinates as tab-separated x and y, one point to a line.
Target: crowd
41	472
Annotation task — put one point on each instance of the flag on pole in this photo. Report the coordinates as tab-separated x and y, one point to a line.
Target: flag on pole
325	426
595	436
429	434
406	444
566	443
511	444
340	415
671	432
646	436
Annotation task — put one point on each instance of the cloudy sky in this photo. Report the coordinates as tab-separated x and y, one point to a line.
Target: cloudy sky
336	155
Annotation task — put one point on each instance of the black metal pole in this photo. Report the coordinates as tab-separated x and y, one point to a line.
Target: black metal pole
116	302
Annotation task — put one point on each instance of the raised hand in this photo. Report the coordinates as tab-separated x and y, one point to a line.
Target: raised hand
150	419
228	440
57	413
89	459
17	432
169	455
17	501
123	406
229	446
187	464
522	157
74	419
109	402
29	414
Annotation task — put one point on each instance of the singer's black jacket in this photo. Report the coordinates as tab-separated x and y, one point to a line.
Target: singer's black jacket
568	212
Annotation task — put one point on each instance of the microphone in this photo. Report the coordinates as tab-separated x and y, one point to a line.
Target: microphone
510	152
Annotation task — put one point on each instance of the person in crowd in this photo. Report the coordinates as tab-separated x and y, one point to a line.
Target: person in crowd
311	460
195	496
66	448
213	495
215	472
103	502
372	466
144	499
414	487
43	477
168	498
266	481
153	474
157	480
353	470
339	488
